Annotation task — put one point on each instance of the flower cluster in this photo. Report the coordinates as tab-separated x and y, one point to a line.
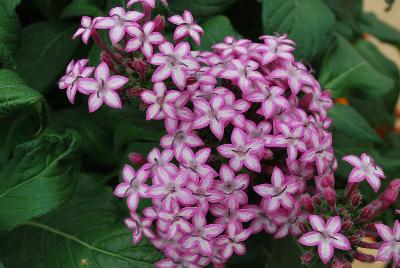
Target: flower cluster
247	139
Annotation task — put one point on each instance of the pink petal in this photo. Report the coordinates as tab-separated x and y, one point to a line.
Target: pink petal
325	251
128	173
161	73
334	224
112	99
340	241
102	72
94	102
384	231
317	223
116	82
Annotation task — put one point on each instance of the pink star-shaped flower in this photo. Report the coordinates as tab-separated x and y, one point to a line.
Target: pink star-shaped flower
275	48
176	219
279	192
242	151
202	234
102	88
365	168
75	72
195	164
390	248
232	46
326	237
174	62
86	29
186	26
321	152
143	38
205	192
150	3
159	163
134	186
176	259
243	72
271	100
171	189
118	21
233	241
161	102
212	113
139	227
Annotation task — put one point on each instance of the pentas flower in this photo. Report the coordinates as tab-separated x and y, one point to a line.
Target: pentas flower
161	102
231	46
144	38
178	260
133	187
289	221
233	240
325	236
229	212
261	220
150	3
279	192
205	192
295	74
181	136
118	22
171	188
159	163
243	73
365	168
202	235
195	164
212	114
86	29
275	48
102	88
271	100
232	186
174	62
390	248
75	72
186	26
176	219
243	150
321	153
139	227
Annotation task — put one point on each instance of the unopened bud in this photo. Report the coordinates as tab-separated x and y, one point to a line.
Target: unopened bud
268	154
307	257
341	264
355	198
362	257
159	23
303	227
106	58
136	158
347	224
307	202
327	182
366	214
191	80
330	196
354	239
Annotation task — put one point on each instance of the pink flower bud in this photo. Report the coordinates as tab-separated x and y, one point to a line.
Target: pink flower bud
341	264
307	202
159	23
367	213
136	158
354	239
347	224
363	257
330	196
134	92
355	198
307	257
326	182
191	80
268	154
303	227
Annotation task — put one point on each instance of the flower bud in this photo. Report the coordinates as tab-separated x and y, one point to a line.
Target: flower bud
330	196
307	202
354	239
134	92
268	154
138	65
306	258
341	264
366	214
355	198
106	58
363	257
159	23
347	224
303	227
191	80
136	158
327	182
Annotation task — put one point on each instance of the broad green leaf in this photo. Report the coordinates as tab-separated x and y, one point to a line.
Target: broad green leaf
45	52
81	8
15	96
200	8
39	177
87	231
50	8
349	122
309	23
215	30
1	265
347	73
10	32
380	30
284	252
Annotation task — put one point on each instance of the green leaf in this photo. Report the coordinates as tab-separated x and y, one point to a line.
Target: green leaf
10	32
46	50
380	30
309	23
87	231
15	96
215	30
349	122
200	8
347	73
38	178
81	8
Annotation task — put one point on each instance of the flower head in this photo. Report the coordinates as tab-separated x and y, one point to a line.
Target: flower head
186	26
390	248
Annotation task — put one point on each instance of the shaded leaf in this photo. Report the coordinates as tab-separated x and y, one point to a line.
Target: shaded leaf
15	96
215	30
38	178
81	8
10	32
309	23
45	52
85	231
380	30
200	8
349	122
347	73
